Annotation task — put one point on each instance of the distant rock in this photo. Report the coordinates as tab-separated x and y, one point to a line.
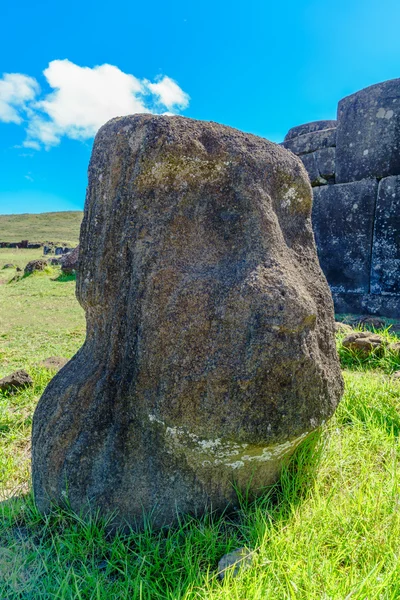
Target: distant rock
35	265
368	133
370	321
15	381
342	327
363	343
70	262
9	266
309	128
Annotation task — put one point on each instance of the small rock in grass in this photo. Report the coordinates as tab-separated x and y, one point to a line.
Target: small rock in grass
9	266
363	343
394	347
342	327
371	322
35	265
55	363
234	561
396	375
15	381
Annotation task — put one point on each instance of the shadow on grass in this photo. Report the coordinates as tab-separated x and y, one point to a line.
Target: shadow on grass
84	554
62	278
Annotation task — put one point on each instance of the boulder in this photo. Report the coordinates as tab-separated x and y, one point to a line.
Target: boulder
309	128
363	343
17	380
309	142
343	219
394	347
35	265
370	322
368	133
385	268
320	166
210	350
342	327
70	262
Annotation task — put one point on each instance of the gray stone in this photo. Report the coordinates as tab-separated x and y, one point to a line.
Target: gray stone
35	265
210	350
59	251
320	166
373	304
325	163
363	343
385	272
309	128
343	217
17	380
70	262
342	327
369	322
309	142
368	133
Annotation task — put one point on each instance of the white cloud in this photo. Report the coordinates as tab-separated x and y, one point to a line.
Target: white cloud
16	90
82	100
169	93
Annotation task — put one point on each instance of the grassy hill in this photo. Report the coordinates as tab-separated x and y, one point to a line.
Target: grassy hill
44	227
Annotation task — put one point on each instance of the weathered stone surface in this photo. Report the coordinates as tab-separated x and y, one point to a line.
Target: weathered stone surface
373	304
309	128
394	347
325	162
320	166
385	273
368	133
342	327
343	217
370	322
363	342
35	265
70	262
17	380
309	142
210	350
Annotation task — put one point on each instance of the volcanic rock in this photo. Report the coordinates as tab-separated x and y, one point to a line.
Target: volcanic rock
210	350
70	262
363	342
17	380
35	265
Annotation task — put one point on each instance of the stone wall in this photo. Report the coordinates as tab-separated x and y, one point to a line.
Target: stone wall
354	168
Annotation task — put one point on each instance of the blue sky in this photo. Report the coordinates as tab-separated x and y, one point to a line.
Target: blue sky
262	67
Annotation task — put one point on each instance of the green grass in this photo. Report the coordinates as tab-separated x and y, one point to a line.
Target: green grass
57	227
329	529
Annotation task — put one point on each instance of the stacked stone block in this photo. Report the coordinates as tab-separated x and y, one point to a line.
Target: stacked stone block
354	167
